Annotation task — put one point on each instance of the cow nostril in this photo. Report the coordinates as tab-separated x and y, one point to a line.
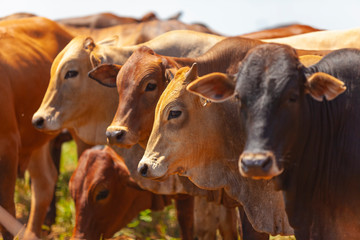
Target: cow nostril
245	163
108	134
39	122
143	170
119	135
266	163
115	136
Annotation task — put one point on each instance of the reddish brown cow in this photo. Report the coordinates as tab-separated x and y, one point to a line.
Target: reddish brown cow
106	197
135	33
103	20
28	47
280	32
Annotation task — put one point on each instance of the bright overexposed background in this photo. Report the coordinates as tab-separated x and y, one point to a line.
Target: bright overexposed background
228	17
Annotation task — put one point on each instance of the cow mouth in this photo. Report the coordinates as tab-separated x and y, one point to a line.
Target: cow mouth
259	165
153	168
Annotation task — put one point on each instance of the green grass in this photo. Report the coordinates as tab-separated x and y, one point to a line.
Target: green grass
148	225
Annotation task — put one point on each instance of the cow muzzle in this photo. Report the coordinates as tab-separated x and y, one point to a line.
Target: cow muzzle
260	165
153	168
44	123
120	136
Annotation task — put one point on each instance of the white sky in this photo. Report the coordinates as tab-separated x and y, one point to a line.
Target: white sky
229	17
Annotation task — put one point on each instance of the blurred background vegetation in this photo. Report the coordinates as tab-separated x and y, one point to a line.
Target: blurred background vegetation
148	225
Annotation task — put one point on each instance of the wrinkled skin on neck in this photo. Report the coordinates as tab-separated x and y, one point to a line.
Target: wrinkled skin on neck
202	144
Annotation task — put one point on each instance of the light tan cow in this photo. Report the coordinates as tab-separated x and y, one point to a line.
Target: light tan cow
323	40
28	46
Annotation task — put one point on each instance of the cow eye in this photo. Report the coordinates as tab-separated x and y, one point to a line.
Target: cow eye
293	97
150	87
102	194
174	114
71	74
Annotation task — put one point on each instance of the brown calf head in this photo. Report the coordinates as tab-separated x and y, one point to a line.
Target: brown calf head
140	82
106	198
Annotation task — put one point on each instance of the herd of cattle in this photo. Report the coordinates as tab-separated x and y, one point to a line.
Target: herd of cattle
261	126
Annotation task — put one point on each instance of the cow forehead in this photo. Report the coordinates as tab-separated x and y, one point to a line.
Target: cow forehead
175	90
267	69
74	51
139	65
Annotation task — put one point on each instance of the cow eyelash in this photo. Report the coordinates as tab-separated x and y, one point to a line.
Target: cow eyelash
102	194
150	87
174	114
71	74
293	97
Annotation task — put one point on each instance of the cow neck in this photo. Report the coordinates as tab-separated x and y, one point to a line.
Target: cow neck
224	174
323	177
225	56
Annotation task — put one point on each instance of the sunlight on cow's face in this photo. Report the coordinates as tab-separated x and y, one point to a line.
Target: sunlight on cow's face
140	82
64	99
176	141
271	88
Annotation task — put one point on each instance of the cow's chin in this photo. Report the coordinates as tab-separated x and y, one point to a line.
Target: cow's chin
274	171
153	168
123	145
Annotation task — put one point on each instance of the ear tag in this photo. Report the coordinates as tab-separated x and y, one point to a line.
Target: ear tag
204	101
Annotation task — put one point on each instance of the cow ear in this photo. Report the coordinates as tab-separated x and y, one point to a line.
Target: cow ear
192	74
216	87
321	85
89	44
95	61
105	74
112	41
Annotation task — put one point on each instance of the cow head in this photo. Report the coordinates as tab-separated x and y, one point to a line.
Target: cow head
105	196
187	135
140	82
272	86
72	99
